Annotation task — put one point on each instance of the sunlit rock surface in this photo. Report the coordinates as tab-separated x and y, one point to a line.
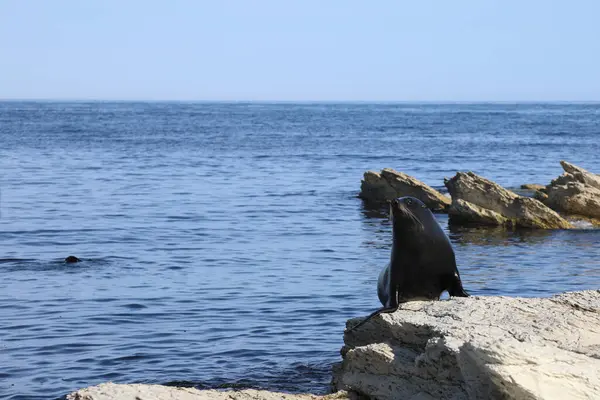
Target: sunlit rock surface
478	348
576	192
389	184
112	391
490	203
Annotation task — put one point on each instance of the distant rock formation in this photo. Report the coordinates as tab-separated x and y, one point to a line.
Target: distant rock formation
572	197
389	184
478	348
479	200
576	192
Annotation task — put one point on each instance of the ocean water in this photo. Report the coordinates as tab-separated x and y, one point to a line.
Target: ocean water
224	245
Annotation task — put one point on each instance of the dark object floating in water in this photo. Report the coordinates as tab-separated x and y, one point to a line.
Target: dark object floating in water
72	259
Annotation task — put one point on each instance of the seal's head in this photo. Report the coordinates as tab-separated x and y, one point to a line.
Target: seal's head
72	259
408	212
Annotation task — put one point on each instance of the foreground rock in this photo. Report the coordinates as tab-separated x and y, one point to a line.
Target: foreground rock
389	184
479	200
478	348
112	391
576	192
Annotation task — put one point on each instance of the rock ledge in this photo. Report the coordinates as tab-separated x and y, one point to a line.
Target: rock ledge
478	348
112	391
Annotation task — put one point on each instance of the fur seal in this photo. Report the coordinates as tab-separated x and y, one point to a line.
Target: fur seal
72	259
422	264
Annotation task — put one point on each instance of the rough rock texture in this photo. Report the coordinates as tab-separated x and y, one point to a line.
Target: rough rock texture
576	192
575	198
389	184
541	196
464	212
478	348
112	391
583	176
517	210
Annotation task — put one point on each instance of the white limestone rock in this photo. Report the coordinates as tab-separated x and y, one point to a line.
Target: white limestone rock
478	348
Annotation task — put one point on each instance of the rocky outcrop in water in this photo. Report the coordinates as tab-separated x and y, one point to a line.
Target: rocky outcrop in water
478	348
112	391
583	176
479	200
389	184
576	192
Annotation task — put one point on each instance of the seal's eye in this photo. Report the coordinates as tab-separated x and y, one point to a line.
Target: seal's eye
409	202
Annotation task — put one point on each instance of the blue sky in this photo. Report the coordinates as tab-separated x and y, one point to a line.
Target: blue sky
460	50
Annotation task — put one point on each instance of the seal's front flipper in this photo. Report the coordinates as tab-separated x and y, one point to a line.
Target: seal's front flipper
456	288
383	310
460	293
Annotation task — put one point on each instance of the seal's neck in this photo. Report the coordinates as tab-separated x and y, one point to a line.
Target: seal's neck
407	235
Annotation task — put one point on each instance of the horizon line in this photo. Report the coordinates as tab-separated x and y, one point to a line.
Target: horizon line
246	101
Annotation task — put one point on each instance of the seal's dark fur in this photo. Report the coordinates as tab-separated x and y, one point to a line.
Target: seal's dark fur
422	264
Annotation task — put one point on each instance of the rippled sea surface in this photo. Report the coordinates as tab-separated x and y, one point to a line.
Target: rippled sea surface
224	245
